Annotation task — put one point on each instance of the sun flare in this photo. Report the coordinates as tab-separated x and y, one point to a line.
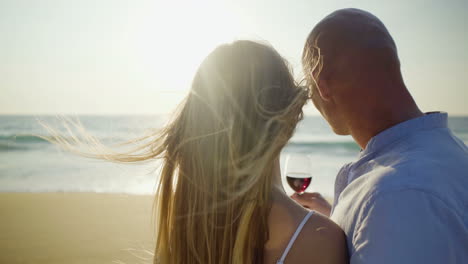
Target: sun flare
174	40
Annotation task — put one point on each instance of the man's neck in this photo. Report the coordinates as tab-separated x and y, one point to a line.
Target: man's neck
364	128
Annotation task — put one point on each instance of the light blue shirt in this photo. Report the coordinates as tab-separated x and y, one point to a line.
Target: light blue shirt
406	198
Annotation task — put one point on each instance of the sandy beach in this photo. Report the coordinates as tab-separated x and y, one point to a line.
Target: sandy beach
75	228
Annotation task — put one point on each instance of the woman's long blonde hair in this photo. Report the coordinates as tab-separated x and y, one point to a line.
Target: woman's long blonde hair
214	193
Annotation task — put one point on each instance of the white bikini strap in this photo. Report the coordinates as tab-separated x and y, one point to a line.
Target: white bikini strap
293	238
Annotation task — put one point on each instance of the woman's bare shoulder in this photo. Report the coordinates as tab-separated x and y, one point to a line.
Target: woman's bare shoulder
320	241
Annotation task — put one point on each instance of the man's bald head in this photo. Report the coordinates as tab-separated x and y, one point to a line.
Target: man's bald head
348	37
351	64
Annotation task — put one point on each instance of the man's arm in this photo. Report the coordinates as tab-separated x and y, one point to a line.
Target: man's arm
408	226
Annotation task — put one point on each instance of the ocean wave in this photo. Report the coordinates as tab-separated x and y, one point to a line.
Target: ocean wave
348	145
11	146
32	139
20	142
25	142
22	139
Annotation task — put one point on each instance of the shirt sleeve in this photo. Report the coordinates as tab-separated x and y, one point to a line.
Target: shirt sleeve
408	226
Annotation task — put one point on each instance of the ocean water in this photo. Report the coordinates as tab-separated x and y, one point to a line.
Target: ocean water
30	164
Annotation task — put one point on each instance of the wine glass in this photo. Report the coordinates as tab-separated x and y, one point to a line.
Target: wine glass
298	172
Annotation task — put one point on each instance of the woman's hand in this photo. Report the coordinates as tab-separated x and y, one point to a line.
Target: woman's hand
313	201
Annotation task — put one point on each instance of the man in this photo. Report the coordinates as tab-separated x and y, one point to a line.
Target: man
405	200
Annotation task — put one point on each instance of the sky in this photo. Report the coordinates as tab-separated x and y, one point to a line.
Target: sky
139	56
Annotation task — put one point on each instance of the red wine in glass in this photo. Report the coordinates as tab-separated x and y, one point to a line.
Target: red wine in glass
299	181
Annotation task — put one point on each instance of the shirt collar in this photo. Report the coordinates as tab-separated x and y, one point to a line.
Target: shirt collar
428	121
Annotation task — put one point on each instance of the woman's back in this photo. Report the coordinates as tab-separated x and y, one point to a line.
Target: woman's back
319	241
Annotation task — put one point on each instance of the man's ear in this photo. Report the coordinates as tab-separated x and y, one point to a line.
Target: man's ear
323	87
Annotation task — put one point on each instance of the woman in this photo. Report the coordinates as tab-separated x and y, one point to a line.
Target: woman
220	198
